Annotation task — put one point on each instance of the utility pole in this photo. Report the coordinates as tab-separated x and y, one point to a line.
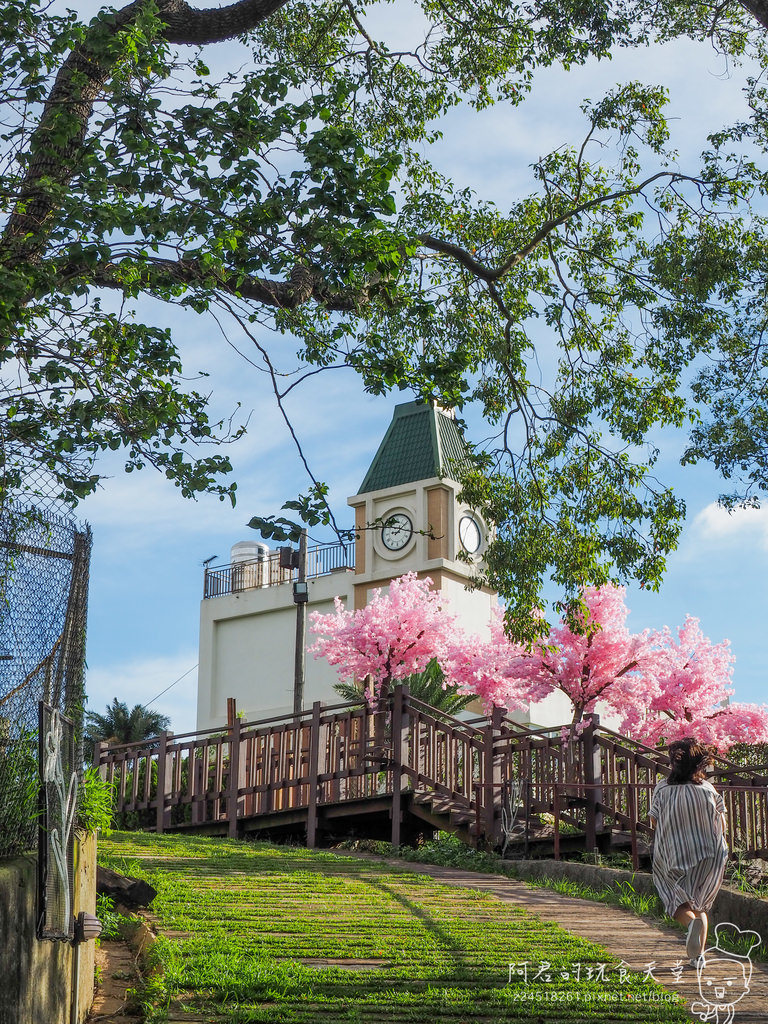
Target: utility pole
300	597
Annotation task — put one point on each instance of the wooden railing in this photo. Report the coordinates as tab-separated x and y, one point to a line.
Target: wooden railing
440	752
604	781
489	771
251	769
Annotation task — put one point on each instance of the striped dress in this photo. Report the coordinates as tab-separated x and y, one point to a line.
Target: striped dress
690	851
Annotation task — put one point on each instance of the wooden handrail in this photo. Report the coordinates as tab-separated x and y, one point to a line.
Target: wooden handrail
300	764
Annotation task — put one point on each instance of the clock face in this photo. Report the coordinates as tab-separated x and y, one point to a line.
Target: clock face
470	534
396	531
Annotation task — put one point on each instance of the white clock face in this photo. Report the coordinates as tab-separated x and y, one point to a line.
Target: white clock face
470	534
396	531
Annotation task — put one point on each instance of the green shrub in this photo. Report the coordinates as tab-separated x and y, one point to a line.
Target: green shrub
94	812
109	917
449	851
749	754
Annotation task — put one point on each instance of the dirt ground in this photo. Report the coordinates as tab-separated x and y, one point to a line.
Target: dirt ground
117	967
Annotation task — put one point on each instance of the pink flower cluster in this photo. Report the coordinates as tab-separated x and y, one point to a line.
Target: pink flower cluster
661	685
689	694
497	670
598	659
395	635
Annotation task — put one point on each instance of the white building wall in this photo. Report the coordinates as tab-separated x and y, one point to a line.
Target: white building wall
247	651
473	608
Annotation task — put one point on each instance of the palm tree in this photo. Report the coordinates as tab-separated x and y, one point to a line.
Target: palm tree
426	686
119	725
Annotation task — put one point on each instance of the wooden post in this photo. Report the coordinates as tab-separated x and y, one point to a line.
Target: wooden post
477	825
194	784
233	783
377	715
592	778
399	755
491	790
231	711
556	809
313	769
100	768
163	814
631	807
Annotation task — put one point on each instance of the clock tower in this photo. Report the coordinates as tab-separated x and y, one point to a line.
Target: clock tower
408	516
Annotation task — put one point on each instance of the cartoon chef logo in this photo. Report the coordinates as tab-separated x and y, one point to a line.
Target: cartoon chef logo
724	976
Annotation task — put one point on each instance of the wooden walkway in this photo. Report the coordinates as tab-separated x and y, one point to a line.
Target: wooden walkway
398	769
642	944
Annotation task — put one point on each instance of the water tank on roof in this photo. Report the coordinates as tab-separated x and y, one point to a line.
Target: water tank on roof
248	558
248	551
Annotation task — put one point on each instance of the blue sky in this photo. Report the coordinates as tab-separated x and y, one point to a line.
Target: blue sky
149	542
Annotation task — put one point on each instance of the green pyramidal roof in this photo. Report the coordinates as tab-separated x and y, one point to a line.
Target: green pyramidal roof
421	442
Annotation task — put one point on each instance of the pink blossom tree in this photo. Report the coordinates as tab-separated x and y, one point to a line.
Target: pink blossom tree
497	670
661	686
395	635
595	658
692	694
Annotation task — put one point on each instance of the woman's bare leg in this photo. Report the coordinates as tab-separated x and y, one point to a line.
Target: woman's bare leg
684	915
705	919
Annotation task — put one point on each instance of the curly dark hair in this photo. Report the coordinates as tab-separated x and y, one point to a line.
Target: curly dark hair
689	759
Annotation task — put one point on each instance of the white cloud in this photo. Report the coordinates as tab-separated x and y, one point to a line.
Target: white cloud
140	681
741	526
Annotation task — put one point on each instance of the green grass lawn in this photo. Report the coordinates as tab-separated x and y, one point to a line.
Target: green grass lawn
256	933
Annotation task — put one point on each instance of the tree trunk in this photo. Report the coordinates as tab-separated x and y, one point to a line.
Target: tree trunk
132	892
758	9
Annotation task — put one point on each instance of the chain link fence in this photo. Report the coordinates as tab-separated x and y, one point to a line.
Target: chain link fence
44	564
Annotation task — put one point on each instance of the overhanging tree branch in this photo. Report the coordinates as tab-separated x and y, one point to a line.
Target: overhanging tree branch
491	274
58	139
303	285
185	24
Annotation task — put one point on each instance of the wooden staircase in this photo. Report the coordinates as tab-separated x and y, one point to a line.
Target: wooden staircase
439	812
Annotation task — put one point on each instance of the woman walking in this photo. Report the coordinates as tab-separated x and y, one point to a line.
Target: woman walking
690	851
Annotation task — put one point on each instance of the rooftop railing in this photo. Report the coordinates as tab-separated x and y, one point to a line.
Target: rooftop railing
267	572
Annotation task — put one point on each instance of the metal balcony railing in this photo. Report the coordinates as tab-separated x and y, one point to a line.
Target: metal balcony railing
266	572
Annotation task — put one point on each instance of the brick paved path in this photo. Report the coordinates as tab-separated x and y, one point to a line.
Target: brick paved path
639	942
